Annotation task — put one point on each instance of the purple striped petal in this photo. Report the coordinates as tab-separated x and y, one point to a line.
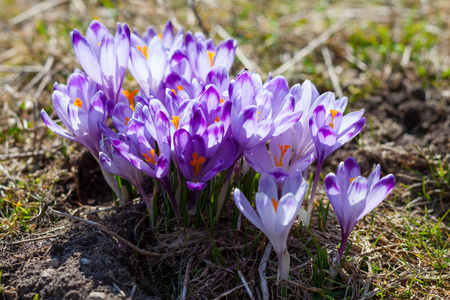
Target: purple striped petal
56	128
268	186
86	57
94	35
247	210
224	56
378	193
195	186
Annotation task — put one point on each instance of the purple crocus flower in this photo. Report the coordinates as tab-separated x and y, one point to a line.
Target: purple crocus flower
148	65
260	111
170	40
330	129
202	151
276	212
293	150
79	106
103	57
277	160
203	55
353	196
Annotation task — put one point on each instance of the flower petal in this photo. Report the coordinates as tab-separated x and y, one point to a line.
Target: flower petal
378	193
247	210
86	57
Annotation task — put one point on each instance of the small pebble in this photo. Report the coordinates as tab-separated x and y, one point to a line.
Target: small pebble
47	273
85	261
96	296
54	262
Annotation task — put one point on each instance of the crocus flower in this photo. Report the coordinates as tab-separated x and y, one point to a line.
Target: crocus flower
330	129
148	65
177	64
293	150
203	55
103	57
260	111
79	106
277	160
353	196
276	212
202	151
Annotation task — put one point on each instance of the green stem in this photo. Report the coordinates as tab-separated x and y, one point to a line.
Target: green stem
313	191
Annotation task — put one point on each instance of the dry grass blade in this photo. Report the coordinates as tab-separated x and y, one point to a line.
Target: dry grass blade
262	272
248	63
34	10
309	48
331	72
37	239
244	282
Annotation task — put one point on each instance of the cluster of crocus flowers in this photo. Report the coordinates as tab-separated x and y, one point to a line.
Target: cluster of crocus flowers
189	122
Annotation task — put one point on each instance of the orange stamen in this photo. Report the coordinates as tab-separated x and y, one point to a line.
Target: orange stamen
175	120
221	100
126	121
179	88
211	57
150	159
333	114
143	50
216	119
275	204
197	163
351	179
130	95
283	152
258	115
160	36
78	102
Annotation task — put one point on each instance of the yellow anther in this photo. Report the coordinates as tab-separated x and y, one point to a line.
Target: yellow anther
143	50
197	163
98	44
351	179
151	158
258	115
211	57
221	100
78	102
175	120
283	152
130	95
275	204
160	36
333	114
